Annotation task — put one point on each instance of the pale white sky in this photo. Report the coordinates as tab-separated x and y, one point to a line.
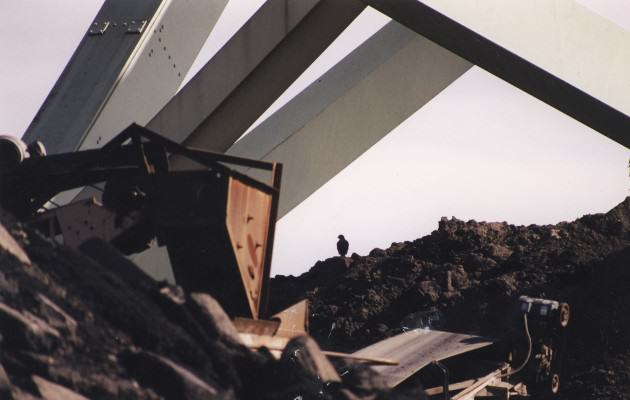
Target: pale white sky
480	150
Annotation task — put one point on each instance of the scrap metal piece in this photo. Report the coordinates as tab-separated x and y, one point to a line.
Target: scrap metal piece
293	320
82	220
417	348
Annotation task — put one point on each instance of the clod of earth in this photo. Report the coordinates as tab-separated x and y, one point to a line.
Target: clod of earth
90	324
465	277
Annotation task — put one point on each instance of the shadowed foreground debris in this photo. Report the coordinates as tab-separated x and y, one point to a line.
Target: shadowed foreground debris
465	276
90	324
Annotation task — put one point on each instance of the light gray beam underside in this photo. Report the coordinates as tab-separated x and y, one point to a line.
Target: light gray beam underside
333	84
269	25
550	73
350	108
271	50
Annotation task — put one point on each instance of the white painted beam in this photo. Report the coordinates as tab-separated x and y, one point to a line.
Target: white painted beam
557	51
157	68
223	125
350	108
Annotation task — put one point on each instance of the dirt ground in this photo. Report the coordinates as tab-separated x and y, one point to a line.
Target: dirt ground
466	276
91	324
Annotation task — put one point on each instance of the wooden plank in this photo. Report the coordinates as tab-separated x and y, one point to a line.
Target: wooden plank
470	392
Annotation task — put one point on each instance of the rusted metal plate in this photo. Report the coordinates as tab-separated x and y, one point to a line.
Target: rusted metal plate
417	348
294	320
247	221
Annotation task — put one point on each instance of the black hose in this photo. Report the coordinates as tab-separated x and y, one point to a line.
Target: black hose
529	350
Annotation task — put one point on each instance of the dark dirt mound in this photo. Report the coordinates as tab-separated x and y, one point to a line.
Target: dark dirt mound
91	324
465	277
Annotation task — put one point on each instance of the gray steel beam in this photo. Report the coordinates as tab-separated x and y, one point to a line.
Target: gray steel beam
344	113
129	64
547	86
350	108
93	69
232	64
255	67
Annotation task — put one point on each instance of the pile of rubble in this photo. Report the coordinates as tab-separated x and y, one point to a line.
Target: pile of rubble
466	276
90	324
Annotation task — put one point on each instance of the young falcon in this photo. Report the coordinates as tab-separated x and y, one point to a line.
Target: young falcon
342	246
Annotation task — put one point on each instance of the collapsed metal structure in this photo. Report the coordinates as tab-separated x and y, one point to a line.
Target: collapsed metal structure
133	58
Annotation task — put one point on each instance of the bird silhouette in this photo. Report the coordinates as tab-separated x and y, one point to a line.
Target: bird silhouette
342	246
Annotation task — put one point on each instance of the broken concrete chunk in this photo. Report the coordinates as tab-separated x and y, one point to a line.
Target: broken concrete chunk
304	353
25	330
212	318
167	378
9	244
52	391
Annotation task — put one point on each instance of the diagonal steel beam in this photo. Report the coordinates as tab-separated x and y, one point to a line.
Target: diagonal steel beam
509	64
244	78
350	108
130	62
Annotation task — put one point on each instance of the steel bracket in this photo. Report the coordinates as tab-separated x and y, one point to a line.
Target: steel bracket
98	28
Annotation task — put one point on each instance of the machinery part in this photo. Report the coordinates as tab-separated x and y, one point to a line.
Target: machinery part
216	223
445	385
12	152
82	220
529	350
548	320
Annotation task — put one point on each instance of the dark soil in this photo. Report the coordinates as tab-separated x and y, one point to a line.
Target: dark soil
92	324
466	277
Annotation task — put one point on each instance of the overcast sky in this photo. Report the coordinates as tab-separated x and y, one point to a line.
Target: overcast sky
482	149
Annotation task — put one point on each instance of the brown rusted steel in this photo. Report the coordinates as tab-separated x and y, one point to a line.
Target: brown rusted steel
247	220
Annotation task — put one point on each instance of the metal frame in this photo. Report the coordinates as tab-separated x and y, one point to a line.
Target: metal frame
508	66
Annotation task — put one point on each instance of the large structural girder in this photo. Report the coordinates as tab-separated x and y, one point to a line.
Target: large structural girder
308	134
384	81
350	108
253	68
128	65
557	51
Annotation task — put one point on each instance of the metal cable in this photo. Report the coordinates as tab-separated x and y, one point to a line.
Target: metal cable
529	350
